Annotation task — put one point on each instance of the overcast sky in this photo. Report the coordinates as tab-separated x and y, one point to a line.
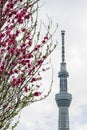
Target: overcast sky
71	16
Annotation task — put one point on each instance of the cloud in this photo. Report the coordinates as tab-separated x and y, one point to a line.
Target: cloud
79	121
70	4
82	116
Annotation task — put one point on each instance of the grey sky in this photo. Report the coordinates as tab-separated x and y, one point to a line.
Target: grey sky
71	16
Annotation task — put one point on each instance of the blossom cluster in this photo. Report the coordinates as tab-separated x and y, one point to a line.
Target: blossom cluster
16	57
21	56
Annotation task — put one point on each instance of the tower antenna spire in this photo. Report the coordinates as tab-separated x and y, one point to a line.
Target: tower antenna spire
63	46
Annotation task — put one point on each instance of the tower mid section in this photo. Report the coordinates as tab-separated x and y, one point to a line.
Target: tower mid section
63	98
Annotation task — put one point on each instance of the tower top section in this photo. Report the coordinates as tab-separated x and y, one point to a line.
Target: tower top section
63	72
63	45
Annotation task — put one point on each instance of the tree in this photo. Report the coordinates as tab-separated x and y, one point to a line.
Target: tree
22	54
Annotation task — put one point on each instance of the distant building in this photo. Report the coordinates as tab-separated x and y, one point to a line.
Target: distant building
63	98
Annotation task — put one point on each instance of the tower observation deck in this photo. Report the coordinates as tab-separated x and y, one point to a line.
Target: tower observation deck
63	98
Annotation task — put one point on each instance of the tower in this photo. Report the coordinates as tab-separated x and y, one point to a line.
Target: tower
63	98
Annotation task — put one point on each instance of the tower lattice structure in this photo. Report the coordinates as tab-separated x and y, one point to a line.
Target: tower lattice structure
63	98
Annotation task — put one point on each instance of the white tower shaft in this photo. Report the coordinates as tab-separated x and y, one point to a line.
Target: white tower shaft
63	118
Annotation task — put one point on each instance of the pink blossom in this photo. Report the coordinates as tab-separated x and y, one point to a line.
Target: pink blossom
37	47
17	31
43	41
30	55
17	51
29	65
23	62
26	89
27	61
37	93
2	51
11	72
33	79
27	16
46	38
39	62
23	29
29	43
11	50
43	69
44	57
24	56
16	71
